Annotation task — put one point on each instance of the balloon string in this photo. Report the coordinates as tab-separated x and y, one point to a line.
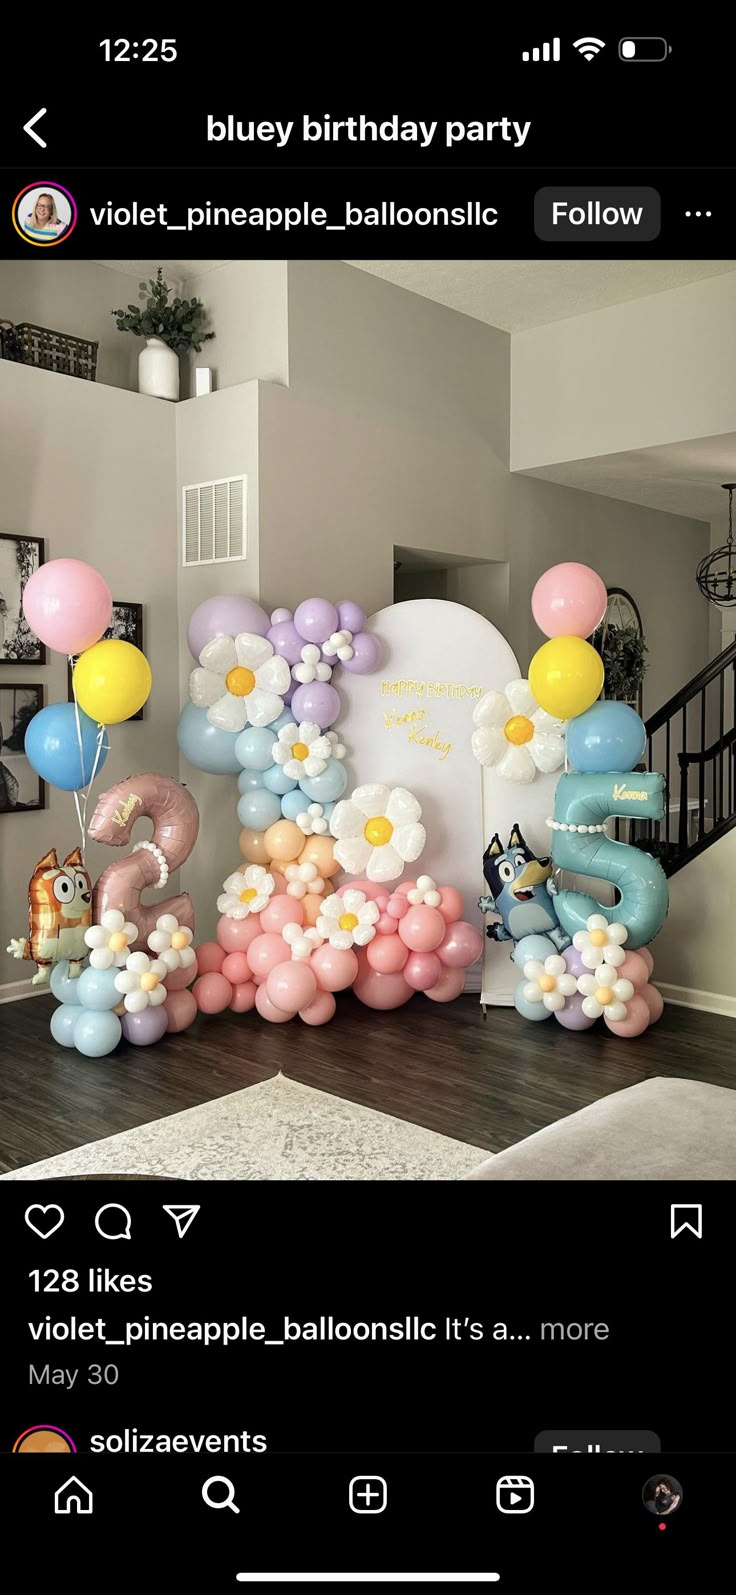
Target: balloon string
80	746
98	752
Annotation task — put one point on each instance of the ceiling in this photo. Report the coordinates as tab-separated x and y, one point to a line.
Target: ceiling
682	478
517	294
178	269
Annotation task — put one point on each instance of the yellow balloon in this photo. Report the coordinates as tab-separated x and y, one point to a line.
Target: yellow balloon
566	676
112	681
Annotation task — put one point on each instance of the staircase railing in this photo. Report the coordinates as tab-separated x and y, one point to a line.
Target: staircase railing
692	740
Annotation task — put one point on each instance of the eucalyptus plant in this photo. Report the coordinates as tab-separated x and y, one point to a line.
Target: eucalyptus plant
180	324
624	654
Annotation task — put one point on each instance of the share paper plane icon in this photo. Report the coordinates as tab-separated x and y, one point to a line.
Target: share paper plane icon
183	1216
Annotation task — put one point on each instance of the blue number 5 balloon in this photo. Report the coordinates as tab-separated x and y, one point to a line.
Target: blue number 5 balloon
582	803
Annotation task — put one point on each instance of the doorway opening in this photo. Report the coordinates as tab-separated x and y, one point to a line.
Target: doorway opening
482	585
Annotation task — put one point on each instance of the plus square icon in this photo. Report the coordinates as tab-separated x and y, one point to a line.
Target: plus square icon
368	1493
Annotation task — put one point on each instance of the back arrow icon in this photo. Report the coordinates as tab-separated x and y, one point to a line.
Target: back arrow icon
29	126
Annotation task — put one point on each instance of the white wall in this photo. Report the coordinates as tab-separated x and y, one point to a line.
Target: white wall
246	302
693	953
76	296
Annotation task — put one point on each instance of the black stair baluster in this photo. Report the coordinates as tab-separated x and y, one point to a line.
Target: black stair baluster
721	717
701	768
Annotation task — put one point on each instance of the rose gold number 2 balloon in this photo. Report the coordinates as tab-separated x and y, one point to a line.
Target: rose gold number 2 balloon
176	823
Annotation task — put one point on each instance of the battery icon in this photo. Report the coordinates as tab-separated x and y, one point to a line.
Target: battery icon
644	49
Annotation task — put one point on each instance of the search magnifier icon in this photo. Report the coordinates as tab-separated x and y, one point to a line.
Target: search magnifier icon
229	1499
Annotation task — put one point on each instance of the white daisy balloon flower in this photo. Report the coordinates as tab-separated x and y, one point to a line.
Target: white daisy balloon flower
312	666
549	982
245	892
111	940
302	940
348	919
303	878
172	943
312	820
302	750
604	995
378	831
425	891
240	681
339	646
141	982
515	736
600	942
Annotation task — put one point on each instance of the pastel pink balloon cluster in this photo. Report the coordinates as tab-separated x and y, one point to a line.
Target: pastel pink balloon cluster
180	1006
647	1004
416	948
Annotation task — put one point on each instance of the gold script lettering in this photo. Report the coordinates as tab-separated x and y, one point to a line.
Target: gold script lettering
121	815
622	792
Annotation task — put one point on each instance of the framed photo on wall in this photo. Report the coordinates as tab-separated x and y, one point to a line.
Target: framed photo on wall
21	789
127	626
19	558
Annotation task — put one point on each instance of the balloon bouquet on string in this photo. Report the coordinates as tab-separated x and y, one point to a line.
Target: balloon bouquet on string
581	960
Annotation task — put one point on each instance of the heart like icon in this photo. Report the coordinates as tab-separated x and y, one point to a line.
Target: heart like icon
44	1220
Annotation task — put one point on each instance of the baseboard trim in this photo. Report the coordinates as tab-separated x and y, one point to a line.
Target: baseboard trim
689	997
16	990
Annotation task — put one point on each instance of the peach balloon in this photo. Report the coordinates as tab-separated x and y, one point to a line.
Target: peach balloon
179	979
212	993
462	945
381	992
279	911
633	968
312	904
244	997
319	850
387	954
236	968
334	967
253	847
264	954
654	1001
321	1009
646	955
451	906
275	1016
636	1021
422	970
292	985
284	841
180	1008
209	957
422	928
449	986
236	935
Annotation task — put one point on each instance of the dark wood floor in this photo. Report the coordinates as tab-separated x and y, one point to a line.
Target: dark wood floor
487	1082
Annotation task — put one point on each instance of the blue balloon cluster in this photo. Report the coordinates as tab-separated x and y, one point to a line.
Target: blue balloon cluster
609	736
85	1019
266	793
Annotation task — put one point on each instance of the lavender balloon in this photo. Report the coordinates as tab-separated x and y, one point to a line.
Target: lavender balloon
572	1016
143	1028
316	619
366	654
316	700
350	616
574	962
285	641
281	614
224	616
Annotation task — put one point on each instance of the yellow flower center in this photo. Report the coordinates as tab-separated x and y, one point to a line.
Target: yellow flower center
299	750
378	831
518	729
179	940
604	995
546	983
149	981
118	941
598	938
240	681
348	921
248	895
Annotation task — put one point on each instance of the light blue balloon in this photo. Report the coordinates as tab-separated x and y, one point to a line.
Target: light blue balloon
589	800
63	1021
257	810
609	736
293	803
539	947
203	745
250	780
529	1010
254	747
52	746
64	989
96	1034
97	988
286	718
328	811
328	786
276	781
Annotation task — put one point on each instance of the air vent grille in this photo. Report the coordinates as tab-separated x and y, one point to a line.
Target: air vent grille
213	520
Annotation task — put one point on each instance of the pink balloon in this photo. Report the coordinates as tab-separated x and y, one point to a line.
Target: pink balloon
280	911
180	978
422	971
175	825
291	985
654	1001
212	993
334	967
381	992
646	955
180	1008
387	954
236	968
463	944
236	935
68	604
266	1009
386	926
633	968
264	954
452	905
397	906
244	997
320	1010
636	1021
449	986
569	600
375	892
209	957
422	928
404	888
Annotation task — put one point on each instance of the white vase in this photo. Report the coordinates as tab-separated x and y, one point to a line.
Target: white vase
158	370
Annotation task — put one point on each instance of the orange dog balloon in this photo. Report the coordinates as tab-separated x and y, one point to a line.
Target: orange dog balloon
59	911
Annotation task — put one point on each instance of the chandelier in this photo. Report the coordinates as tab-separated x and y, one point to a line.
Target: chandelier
716	574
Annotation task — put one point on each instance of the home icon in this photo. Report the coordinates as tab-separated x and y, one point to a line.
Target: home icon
73	1496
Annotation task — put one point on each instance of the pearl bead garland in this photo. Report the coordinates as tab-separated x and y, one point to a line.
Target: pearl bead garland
591	830
160	857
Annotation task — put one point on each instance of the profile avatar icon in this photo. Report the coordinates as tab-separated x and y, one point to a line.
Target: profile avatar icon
662	1494
44	214
44	1438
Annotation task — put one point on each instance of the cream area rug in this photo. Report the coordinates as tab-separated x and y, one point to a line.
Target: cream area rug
276	1130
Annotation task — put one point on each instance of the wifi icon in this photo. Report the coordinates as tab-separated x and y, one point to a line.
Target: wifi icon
589	48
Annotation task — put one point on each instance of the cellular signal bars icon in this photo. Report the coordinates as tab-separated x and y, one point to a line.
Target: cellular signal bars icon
543	52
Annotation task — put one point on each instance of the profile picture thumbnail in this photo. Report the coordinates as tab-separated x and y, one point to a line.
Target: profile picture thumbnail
44	214
662	1494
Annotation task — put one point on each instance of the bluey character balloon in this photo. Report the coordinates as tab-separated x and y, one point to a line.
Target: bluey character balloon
521	891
